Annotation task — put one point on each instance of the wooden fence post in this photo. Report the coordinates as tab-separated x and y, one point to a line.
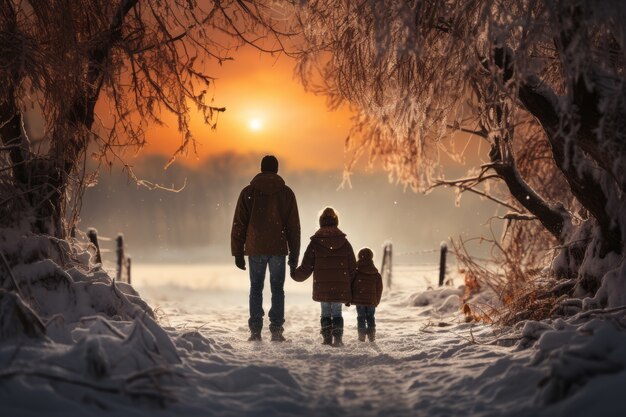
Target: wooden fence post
128	269
386	267
442	263
389	263
92	234
120	256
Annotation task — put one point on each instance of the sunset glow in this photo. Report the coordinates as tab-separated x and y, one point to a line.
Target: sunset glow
425	197
267	111
255	124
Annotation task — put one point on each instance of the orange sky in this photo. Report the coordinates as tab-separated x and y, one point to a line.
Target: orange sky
267	111
292	124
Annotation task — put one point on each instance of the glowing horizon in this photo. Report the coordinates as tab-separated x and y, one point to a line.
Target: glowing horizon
267	112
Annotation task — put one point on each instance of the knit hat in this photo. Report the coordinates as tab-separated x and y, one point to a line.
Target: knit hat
366	254
269	163
329	217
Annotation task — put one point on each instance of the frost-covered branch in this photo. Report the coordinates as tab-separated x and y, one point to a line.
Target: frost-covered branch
137	59
469	184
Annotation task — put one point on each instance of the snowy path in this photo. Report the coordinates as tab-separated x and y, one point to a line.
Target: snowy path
416	367
426	361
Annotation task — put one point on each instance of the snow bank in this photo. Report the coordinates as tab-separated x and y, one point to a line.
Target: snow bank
612	292
600	277
82	344
18	320
579	361
585	361
442	300
74	324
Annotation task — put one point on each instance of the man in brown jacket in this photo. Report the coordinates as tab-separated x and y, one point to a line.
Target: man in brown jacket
266	227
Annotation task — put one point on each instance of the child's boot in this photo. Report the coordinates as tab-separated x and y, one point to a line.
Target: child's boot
371	333
361	326
337	331
277	334
255	325
362	333
327	325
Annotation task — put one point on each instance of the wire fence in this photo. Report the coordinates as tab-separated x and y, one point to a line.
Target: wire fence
123	262
401	266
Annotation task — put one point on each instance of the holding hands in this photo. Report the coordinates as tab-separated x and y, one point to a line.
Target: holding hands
293	264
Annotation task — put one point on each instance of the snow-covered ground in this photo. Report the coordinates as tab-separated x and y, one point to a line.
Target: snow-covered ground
426	360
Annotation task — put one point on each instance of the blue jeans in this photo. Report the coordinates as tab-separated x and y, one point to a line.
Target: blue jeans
258	265
331	309
365	314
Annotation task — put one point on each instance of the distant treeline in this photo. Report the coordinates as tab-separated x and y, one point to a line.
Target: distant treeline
194	224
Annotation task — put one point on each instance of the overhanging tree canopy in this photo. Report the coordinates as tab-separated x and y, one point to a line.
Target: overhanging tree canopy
142	58
504	71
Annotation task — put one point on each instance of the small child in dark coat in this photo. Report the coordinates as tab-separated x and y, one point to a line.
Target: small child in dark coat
367	288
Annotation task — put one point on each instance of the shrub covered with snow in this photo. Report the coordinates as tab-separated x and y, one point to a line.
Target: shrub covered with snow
443	300
77	324
585	361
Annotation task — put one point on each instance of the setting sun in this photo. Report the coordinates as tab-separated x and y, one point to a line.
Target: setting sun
255	124
262	101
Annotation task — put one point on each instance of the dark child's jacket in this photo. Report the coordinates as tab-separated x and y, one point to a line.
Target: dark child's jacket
330	258
367	285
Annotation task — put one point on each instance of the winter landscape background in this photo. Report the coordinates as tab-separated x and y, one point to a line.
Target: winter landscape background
194	224
427	360
497	127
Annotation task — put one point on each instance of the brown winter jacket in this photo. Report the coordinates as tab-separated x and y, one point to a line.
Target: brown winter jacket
266	220
367	285
330	258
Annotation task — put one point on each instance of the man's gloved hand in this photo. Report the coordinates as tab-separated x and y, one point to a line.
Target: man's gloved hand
240	261
293	263
293	260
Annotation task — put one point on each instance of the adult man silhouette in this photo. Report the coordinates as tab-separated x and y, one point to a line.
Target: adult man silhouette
266	228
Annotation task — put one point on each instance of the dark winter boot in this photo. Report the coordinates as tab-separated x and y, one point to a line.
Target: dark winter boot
327	325
277	334
337	331
255	326
255	337
362	333
371	333
361	326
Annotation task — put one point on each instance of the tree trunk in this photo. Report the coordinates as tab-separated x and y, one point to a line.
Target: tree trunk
583	178
41	182
494	119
